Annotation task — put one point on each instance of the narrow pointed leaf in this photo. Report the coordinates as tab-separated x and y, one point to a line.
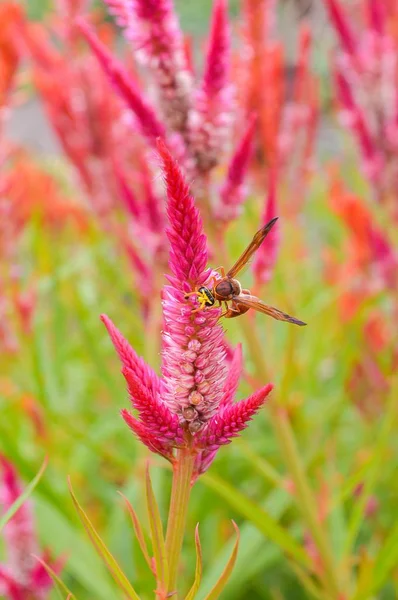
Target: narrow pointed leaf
24	496
158	543
58	583
138	531
115	570
308	584
218	588
386	561
199	567
254	513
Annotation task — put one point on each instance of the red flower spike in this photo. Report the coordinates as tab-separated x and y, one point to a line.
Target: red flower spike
376	16
188	251
146	436
357	122
152	27
216	70
266	256
154	413
230	421
21	577
212	114
342	26
234	374
146	118
233	191
192	406
130	359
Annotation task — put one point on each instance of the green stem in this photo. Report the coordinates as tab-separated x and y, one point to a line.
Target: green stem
180	492
288	446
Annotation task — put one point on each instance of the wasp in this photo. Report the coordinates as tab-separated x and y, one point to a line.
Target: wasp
228	291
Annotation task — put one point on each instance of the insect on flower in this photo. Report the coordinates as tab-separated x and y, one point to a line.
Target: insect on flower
228	289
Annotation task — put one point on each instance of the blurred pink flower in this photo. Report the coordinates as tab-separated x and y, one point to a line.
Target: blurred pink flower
22	577
192	404
212	114
266	256
153	29
233	190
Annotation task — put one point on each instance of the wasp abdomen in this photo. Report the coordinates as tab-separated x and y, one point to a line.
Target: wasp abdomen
206	293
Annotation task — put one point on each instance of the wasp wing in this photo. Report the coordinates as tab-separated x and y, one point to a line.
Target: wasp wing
252	248
256	304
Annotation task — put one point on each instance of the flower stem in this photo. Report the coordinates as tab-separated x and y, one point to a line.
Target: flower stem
288	445
180	492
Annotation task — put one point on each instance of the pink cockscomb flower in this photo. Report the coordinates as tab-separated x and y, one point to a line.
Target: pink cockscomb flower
233	190
152	27
191	405
212	114
265	260
22	577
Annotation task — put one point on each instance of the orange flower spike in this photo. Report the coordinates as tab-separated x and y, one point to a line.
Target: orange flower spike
272	95
10	15
302	79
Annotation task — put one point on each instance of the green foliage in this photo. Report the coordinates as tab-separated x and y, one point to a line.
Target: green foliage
69	370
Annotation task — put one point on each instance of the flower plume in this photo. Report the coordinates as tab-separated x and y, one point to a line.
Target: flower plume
192	405
21	576
233	190
153	29
146	118
211	116
188	250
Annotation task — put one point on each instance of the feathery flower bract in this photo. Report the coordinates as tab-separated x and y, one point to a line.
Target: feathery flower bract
22	576
192	404
152	27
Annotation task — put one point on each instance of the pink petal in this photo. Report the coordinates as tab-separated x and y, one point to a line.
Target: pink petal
131	360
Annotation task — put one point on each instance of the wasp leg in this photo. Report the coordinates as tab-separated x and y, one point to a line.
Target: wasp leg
186	296
234	307
226	311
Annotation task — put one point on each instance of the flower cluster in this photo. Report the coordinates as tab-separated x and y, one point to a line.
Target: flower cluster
370	267
22	576
192	404
366	82
287	111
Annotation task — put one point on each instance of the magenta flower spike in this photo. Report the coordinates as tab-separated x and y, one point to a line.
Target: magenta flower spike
342	26
150	126
191	407
152	27
266	256
354	118
22	576
233	190
212	114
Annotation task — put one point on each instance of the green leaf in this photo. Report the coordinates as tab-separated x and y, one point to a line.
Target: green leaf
308	583
158	543
24	496
59	584
198	571
263	521
379	451
219	586
115	570
138	531
387	560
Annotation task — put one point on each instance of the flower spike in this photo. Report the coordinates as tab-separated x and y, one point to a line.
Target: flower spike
232	420
149	124
191	407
